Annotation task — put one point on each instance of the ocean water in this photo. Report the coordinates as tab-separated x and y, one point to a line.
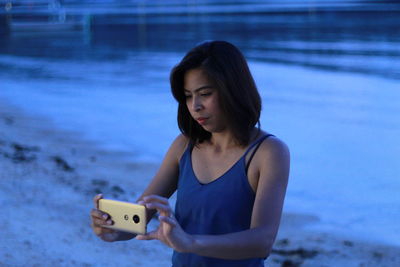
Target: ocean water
339	116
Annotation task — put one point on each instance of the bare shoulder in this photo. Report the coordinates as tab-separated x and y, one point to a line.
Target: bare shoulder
273	146
180	141
273	156
178	146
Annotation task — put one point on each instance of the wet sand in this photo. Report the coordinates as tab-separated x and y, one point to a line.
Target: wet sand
48	178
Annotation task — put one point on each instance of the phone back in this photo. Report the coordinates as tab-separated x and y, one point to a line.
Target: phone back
127	217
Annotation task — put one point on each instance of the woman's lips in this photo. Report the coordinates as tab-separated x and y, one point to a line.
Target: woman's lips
201	120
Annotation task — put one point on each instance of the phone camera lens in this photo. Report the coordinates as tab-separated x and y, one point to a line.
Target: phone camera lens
136	218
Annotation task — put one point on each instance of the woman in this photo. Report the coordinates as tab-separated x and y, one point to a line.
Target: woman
230	176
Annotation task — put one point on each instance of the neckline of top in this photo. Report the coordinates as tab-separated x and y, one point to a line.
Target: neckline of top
260	139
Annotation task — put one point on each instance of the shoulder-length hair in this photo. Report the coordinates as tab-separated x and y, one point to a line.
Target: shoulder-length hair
239	99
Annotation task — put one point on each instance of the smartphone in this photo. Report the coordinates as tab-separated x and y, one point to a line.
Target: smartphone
127	217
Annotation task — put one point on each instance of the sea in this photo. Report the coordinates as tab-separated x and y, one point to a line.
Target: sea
329	79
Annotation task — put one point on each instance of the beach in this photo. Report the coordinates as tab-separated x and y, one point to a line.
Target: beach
48	179
90	111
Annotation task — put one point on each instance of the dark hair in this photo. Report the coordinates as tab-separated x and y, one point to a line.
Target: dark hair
227	68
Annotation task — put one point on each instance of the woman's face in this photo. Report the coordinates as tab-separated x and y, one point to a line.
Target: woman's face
202	101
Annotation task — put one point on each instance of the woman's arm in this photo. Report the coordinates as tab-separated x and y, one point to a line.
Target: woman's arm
164	184
165	181
272	161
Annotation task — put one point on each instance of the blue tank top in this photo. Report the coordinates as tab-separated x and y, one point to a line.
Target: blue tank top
222	206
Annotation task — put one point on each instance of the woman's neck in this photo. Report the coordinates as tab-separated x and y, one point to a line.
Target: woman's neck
223	141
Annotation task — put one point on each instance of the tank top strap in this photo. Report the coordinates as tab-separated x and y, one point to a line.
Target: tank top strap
255	143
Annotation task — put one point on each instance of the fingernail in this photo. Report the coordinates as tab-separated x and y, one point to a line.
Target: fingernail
109	222
104	216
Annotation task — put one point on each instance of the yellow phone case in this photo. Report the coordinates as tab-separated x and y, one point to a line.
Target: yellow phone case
127	217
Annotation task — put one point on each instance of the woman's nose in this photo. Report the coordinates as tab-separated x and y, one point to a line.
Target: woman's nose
197	105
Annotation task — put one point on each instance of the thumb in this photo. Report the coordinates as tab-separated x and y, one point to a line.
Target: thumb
149	236
172	222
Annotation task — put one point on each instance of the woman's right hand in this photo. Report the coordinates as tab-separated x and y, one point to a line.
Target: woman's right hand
99	219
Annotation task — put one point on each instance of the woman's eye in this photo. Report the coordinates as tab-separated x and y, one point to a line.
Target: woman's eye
206	94
188	96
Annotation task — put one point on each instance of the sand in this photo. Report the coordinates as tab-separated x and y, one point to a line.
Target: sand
48	178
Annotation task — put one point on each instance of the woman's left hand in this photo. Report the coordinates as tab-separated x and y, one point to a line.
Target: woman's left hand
169	231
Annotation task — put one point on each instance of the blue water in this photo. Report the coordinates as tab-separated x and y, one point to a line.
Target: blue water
332	96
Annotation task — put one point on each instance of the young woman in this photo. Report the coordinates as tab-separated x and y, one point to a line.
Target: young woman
230	176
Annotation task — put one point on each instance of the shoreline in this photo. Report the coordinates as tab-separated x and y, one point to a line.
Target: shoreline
48	178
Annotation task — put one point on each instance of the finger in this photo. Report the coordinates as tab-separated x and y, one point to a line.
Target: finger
97	230
100	222
165	209
168	220
102	230
149	236
96	200
143	237
96	227
156	198
99	214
